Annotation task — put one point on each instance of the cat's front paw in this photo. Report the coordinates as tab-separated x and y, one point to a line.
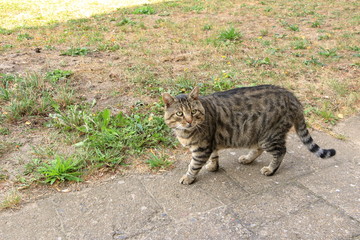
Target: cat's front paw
187	180
212	166
267	171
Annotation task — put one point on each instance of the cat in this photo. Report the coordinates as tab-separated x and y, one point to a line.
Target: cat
257	118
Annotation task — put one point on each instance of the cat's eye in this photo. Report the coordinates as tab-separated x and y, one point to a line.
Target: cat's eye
179	114
193	111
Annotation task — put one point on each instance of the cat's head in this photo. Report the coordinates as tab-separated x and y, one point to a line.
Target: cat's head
183	111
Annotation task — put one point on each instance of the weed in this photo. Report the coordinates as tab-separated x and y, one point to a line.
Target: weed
324	37
313	61
258	62
49	47
280	36
73	118
157	161
126	21
316	24
24	36
32	166
300	44
223	82
76	52
32	95
5	91
3	177
57	75
111	47
207	27
61	169
148	10
355	48
4	31
327	115
264	32
108	139
268	9
229	35
6	46
328	52
4	131
11	200
195	8
185	84
294	27
266	42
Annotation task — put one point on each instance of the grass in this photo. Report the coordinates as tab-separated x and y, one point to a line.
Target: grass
105	140
328	52
79	51
60	169
147	10
11	200
31	13
96	66
57	75
158	161
33	94
227	36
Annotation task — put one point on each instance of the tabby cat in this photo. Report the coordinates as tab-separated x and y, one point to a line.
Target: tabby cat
257	118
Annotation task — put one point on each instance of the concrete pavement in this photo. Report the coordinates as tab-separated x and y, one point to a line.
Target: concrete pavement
308	198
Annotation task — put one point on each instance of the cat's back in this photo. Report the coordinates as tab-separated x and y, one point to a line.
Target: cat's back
263	98
250	92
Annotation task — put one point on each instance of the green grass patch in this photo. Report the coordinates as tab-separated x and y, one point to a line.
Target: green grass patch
61	170
158	161
313	61
300	44
147	10
258	62
57	75
328	52
229	35
33	94
5	31
24	36
79	51
126	21
103	140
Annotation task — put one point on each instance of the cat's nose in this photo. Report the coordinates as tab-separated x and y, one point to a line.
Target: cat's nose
188	120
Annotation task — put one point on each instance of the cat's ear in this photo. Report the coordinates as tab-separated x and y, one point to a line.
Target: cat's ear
168	99
195	93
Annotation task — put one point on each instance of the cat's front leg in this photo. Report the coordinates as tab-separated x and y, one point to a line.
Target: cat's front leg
213	163
199	159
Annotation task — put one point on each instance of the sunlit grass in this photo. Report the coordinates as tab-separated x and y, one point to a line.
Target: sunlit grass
18	13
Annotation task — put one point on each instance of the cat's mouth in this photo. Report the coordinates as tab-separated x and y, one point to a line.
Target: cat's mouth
188	126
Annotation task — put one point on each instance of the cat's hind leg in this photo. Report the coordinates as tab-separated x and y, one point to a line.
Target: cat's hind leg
251	156
213	163
278	151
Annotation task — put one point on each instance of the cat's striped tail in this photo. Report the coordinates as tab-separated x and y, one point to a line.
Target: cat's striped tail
307	140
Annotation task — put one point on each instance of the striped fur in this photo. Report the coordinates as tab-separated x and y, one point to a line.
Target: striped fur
257	118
